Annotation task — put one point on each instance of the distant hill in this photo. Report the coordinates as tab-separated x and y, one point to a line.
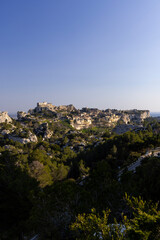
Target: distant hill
155	114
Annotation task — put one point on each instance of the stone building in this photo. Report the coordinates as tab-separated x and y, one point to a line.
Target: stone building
44	106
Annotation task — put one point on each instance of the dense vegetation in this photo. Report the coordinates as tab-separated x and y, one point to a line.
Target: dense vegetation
67	187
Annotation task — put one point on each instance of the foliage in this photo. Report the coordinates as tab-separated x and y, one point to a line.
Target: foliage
145	224
145	181
91	226
44	185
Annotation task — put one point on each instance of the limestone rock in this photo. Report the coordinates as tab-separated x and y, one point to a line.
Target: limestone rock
44	131
21	115
81	122
87	117
32	138
5	132
125	118
4	117
120	129
48	134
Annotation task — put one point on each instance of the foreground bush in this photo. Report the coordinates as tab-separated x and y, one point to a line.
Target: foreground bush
144	225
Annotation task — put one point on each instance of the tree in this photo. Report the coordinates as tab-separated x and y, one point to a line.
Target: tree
83	170
17	191
94	227
145	224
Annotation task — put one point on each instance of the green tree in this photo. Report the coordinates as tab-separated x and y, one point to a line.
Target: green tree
92	226
83	170
145	224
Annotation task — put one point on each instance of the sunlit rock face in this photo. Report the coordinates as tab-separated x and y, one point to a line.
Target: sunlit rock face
144	114
4	117
137	116
80	122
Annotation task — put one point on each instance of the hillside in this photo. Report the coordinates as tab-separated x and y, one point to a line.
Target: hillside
55	165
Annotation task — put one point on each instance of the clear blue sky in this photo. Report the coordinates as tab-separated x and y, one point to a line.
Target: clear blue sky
95	53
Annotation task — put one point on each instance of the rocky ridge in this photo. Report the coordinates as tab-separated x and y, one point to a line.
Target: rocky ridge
41	122
89	117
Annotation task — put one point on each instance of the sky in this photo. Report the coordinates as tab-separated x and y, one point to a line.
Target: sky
94	53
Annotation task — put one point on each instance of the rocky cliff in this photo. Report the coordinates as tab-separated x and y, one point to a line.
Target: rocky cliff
4	117
87	117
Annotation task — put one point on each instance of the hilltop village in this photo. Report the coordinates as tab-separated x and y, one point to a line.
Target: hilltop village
87	117
84	118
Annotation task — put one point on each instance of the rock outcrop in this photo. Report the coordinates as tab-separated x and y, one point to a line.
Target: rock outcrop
86	117
31	138
21	115
80	122
135	116
4	117
44	131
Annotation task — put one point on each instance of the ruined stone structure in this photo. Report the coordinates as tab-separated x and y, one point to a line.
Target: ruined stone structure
50	107
44	106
